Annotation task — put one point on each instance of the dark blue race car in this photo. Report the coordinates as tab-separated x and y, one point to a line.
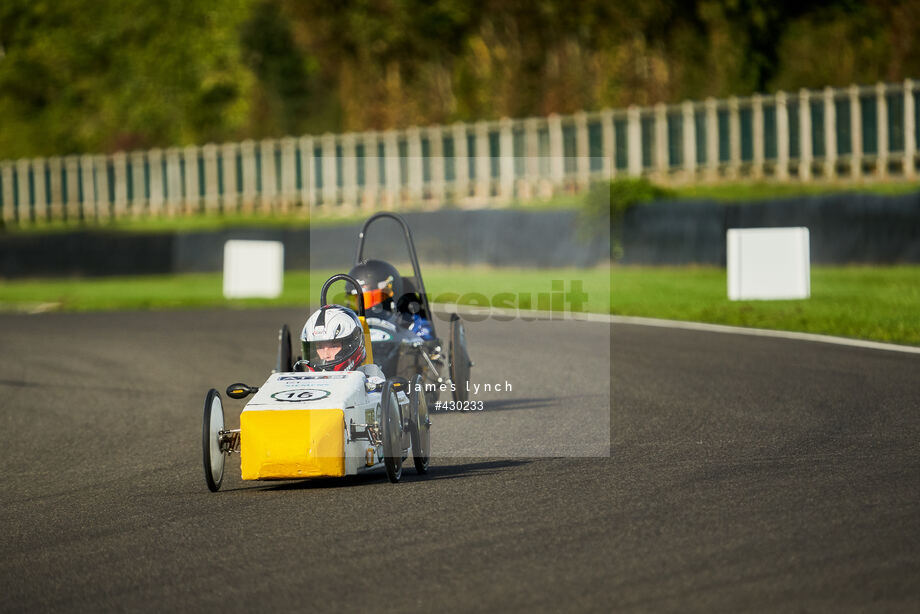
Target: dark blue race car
403	333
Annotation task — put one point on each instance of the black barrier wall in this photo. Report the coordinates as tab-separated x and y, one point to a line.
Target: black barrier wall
500	237
844	228
493	237
98	253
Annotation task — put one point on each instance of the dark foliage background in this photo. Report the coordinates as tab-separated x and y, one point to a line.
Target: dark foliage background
103	75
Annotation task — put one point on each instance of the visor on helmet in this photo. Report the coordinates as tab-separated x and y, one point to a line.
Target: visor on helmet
372	298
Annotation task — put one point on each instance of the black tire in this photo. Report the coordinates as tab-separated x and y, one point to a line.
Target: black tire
211	426
419	426
284	364
391	432
458	360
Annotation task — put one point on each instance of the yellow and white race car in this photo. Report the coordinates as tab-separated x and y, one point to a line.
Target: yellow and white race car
319	424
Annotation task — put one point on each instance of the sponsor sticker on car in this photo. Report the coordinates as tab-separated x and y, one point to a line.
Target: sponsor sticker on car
378	323
378	335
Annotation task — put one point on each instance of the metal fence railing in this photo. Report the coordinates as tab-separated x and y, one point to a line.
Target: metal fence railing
828	135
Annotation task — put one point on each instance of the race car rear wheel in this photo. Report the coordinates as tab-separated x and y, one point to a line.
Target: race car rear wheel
391	432
419	425
212	425
459	366
284	363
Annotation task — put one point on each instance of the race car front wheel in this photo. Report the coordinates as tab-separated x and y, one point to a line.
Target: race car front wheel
460	363
419	425
212	425
391	432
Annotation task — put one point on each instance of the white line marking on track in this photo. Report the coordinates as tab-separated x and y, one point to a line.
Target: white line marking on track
680	324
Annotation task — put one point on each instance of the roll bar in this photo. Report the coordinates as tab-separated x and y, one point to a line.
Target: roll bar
349	279
420	284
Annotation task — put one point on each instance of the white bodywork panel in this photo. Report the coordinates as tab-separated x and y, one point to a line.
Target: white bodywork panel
323	390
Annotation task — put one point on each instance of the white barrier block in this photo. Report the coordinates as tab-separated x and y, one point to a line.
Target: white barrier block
253	269
768	263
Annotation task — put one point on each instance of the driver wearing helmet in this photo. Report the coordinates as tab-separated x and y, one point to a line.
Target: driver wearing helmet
384	297
333	340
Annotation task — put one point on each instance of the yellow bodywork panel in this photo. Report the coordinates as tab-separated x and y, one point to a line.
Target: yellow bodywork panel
297	443
369	349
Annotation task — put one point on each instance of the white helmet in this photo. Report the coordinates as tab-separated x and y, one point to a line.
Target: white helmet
333	340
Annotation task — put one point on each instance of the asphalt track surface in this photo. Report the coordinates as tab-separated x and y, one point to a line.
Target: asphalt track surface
744	474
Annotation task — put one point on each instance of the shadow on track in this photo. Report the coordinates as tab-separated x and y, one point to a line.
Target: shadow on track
467	470
435	472
506	404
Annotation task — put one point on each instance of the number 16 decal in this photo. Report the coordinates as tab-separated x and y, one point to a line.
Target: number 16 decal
301	394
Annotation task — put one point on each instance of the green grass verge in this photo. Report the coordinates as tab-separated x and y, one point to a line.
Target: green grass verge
878	303
743	192
184	223
297	218
529	288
